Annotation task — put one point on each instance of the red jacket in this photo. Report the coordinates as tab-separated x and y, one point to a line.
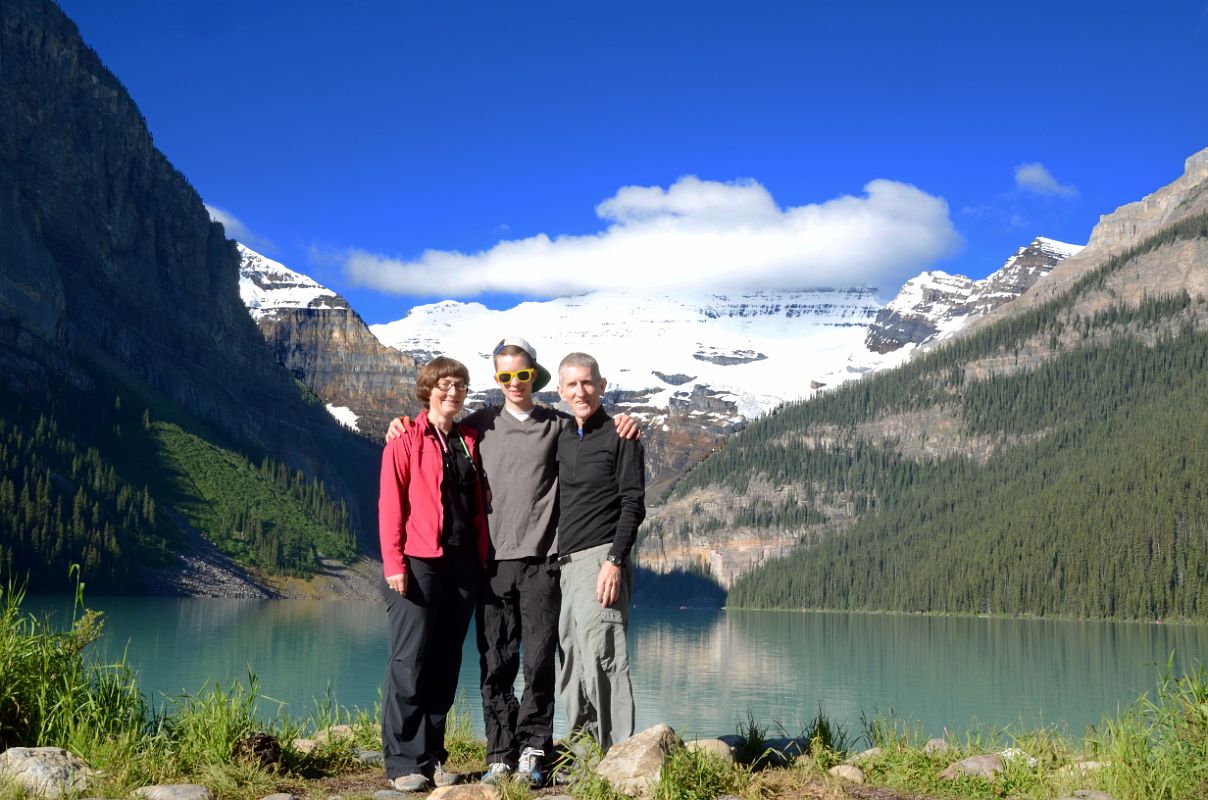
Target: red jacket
410	512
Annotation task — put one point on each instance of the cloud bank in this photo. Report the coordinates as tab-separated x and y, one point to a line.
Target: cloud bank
695	234
235	229
1037	179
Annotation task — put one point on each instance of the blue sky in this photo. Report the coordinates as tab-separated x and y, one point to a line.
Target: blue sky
402	152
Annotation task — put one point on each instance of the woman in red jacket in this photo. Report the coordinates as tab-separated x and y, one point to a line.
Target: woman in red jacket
432	524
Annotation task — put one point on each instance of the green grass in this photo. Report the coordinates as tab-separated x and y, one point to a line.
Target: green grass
1158	748
699	775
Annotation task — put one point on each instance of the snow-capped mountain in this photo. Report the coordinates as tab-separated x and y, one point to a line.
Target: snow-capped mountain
269	287
693	367
754	350
934	305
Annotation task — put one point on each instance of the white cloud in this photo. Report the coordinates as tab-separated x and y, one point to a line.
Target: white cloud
1037	179
702	234
235	229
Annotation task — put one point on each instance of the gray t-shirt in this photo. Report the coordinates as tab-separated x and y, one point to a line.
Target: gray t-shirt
520	459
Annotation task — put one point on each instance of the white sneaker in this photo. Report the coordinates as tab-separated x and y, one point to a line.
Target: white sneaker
442	778
530	768
495	773
415	782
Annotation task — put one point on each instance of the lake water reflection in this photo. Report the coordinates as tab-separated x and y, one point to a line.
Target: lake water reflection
702	671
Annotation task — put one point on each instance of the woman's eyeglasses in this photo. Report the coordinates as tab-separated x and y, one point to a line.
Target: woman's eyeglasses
448	387
522	375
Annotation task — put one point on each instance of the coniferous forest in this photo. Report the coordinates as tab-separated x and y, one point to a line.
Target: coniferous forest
112	480
1088	496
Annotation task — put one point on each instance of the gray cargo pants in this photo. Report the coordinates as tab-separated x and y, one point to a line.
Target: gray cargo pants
594	683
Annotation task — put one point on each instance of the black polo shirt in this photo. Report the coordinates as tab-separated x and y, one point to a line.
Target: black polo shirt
601	487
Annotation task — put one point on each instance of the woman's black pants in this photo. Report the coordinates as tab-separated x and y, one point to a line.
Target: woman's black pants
427	632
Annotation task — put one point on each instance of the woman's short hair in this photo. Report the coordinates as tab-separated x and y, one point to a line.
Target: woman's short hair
437	370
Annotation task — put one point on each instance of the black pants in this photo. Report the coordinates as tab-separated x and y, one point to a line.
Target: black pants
427	630
519	604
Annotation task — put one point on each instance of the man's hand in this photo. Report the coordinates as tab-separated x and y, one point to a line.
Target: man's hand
398	583
627	427
398	425
608	584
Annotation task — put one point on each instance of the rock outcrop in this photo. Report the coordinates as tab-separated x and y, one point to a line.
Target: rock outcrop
315	334
935	304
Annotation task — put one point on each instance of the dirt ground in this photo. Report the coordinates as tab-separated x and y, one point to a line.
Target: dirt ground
774	785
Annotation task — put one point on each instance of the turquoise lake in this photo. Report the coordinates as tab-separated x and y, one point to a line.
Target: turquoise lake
701	671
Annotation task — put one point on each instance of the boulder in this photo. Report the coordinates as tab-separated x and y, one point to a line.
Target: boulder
174	791
332	733
784	751
304	746
935	746
465	791
279	796
715	747
866	755
847	772
389	794
48	771
633	766
983	766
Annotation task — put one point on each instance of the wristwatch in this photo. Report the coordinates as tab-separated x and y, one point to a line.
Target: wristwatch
615	561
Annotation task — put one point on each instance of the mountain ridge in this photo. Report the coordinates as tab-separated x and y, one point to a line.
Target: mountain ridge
854	482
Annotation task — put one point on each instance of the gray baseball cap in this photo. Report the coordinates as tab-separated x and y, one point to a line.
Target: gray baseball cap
542	378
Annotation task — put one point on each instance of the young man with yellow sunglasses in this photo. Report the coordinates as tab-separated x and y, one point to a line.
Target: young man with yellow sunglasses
520	597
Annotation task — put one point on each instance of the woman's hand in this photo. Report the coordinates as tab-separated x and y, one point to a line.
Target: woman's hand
398	583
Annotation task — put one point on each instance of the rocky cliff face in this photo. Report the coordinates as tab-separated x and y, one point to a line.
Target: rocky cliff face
935	304
109	255
1185	197
326	345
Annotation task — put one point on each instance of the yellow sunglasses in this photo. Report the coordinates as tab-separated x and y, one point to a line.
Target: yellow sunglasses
522	375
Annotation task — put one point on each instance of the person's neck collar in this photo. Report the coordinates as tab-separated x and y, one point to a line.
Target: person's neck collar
593	420
519	408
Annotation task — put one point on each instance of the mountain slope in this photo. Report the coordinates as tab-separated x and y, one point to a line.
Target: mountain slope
115	284
1030	465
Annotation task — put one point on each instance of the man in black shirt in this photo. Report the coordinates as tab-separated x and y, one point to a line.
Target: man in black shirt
601	501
